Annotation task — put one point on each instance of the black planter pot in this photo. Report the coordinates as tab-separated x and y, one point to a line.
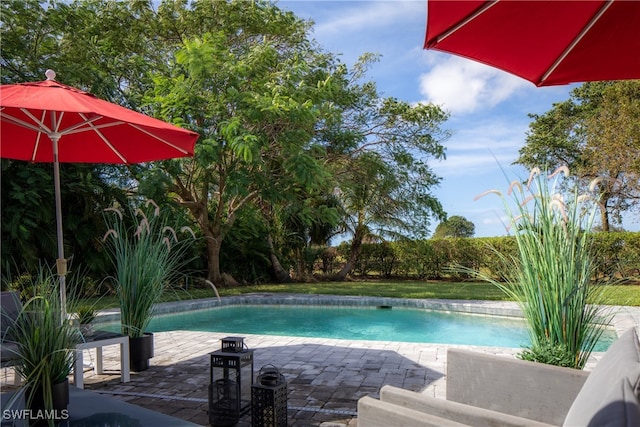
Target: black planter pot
140	351
35	401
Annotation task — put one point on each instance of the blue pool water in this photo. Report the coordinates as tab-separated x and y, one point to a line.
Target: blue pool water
354	323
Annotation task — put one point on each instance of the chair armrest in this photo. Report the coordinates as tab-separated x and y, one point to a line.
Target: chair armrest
529	390
458	412
376	413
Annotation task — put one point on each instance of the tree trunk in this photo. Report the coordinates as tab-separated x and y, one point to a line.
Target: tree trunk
213	259
354	253
604	213
300	268
281	275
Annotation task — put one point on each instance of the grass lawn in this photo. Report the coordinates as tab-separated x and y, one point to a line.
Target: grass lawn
619	295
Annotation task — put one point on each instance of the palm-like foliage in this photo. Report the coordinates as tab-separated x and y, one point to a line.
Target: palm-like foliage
551	278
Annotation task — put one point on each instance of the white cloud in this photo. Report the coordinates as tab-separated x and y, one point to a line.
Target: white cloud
480	145
471	163
496	135
364	16
463	86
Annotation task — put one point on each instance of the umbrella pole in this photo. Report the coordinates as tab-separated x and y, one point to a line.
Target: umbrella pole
61	262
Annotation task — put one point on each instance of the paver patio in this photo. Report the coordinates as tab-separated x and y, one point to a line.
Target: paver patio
325	377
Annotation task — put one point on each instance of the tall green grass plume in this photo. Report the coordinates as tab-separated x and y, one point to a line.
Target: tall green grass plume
552	275
147	256
45	343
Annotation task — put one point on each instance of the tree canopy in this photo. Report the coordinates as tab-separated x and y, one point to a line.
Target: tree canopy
455	226
293	146
596	133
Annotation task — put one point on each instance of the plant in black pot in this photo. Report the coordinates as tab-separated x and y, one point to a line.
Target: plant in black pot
46	343
147	256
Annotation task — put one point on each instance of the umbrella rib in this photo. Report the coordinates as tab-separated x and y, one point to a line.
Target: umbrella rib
464	22
74	128
36	146
58	122
180	149
27	125
24	124
79	127
45	129
577	40
40	122
104	139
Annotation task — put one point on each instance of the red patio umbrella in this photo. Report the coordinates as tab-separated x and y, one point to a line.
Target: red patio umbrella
548	42
51	122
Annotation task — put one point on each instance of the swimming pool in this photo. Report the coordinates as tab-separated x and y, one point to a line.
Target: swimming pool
354	323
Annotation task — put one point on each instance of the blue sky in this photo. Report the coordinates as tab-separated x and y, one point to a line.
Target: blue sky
489	108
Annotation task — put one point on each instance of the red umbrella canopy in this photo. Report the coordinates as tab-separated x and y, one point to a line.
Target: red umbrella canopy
548	42
89	129
51	122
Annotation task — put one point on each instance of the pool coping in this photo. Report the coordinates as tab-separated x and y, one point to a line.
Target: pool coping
624	317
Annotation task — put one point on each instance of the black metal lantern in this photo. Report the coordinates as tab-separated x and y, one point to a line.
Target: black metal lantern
230	387
233	344
269	398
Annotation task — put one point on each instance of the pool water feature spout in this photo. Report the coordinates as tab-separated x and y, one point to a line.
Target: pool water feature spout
214	288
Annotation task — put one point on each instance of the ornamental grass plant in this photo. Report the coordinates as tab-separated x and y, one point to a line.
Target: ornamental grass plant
147	256
552	276
45	342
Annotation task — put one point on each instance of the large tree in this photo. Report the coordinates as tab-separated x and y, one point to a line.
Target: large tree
455	226
596	133
379	149
240	73
249	86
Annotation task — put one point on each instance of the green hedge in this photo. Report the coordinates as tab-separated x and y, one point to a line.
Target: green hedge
618	253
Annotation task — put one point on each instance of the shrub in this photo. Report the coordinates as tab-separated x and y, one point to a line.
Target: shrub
551	354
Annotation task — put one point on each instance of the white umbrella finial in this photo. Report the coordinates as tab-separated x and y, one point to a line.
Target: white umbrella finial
51	75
